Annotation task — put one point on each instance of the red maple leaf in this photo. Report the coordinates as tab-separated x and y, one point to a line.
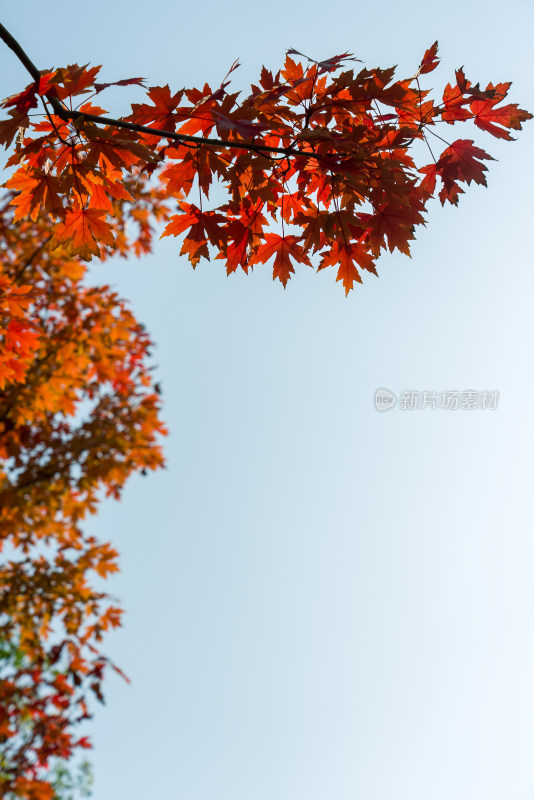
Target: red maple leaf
430	60
9	128
394	221
161	113
459	162
496	120
203	227
283	248
27	99
99	87
245	128
238	236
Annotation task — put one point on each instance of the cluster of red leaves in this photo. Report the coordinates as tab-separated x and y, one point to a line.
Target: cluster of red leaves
78	419
320	152
315	161
19	339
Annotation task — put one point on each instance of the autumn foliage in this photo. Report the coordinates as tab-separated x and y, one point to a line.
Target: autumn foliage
78	418
315	165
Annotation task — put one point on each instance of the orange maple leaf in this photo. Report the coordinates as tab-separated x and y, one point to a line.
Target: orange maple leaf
454	102
345	257
161	114
74	80
81	231
36	189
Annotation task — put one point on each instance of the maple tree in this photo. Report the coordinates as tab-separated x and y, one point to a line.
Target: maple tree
317	165
83	417
61	778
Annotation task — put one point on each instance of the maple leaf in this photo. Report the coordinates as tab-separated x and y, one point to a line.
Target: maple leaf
235	254
19	337
89	108
203	227
347	257
37	189
300	85
245	128
428	183
328	64
161	113
495	120
99	87
81	232
430	60
292	204
99	197
9	128
74	80
393	221
180	176
114	152
283	248
454	102
27	99
24	101
467	88
241	235
459	162
316	226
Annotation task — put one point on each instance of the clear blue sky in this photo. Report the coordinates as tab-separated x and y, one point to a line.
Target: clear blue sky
324	602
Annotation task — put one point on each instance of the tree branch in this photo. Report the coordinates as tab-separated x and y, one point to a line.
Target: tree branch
67	115
19	52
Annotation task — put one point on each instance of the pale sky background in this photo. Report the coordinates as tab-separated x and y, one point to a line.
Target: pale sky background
324	602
